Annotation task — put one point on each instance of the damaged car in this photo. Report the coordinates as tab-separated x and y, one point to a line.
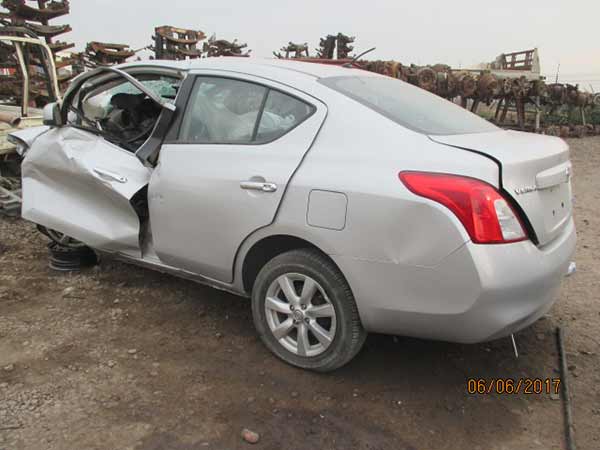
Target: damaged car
340	201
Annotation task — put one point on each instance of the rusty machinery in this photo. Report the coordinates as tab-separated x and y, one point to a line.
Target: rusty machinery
176	43
221	47
294	50
35	16
98	54
512	82
179	43
329	46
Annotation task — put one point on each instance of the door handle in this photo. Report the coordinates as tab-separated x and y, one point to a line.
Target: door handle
111	175
258	186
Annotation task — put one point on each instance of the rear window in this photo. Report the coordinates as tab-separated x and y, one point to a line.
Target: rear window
409	106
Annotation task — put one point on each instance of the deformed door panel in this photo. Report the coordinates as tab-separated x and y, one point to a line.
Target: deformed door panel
79	184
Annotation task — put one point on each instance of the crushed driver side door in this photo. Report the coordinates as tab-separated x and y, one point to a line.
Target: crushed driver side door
77	182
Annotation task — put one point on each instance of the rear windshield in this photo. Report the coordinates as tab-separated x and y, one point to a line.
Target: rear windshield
409	106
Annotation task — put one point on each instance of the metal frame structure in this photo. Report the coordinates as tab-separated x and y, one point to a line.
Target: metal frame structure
18	42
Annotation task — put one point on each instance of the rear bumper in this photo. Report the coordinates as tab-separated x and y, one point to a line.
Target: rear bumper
478	293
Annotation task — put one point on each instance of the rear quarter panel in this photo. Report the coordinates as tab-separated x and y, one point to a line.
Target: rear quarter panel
360	153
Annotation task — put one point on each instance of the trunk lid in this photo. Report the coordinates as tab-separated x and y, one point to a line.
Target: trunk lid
535	171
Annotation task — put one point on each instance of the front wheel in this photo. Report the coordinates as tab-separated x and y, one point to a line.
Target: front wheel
305	313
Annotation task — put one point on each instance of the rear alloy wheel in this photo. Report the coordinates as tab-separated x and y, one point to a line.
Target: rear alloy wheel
305	313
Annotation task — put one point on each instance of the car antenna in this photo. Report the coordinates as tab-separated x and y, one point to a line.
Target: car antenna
349	64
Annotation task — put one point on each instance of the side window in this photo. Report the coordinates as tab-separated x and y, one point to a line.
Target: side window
281	113
222	110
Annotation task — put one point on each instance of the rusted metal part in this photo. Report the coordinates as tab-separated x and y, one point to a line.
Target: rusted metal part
338	45
424	77
451	85
295	50
59	46
390	68
48	30
46	10
32	17
326	47
466	84
572	94
106	54
556	93
538	89
30	82
512	83
520	87
343	46
488	87
176	43
220	47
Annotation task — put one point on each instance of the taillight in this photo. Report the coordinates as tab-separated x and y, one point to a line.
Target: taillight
486	215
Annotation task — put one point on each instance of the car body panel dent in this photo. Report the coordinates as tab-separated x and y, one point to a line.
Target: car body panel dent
79	184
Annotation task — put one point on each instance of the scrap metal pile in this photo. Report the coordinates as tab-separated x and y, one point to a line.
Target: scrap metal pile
31	18
178	43
509	91
221	47
99	54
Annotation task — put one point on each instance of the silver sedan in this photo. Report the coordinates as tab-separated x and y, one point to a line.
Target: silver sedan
340	201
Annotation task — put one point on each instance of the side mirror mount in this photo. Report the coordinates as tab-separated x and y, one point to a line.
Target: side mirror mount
51	115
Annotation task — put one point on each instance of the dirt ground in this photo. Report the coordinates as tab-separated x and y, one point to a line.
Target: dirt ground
119	357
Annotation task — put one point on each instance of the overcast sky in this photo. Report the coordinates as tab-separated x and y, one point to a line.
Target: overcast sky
460	33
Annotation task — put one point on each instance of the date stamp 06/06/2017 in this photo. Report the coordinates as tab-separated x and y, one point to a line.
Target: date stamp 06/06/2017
513	386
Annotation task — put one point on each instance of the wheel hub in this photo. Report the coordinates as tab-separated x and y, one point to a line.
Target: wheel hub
300	315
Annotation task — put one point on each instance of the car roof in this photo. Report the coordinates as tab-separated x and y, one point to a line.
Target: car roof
256	66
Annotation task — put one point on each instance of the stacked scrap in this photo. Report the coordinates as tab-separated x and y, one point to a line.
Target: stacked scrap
99	54
34	16
512	82
220	47
326	50
177	43
339	42
295	50
37	19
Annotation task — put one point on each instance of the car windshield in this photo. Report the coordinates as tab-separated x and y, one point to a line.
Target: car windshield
409	106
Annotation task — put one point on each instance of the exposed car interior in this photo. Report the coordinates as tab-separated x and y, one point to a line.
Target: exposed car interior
119	111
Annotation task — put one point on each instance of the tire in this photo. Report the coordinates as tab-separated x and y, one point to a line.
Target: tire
339	335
